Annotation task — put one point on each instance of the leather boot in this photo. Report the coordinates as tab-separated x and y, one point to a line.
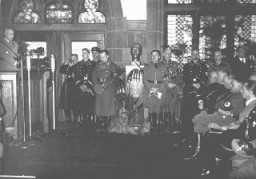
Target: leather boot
161	122
165	122
98	123
196	152
106	121
150	117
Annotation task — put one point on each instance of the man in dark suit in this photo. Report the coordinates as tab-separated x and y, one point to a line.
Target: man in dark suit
218	63
8	51
195	79
242	66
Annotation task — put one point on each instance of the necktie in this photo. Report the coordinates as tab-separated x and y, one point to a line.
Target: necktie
10	43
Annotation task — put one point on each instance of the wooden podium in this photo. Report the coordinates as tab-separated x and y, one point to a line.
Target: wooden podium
9	97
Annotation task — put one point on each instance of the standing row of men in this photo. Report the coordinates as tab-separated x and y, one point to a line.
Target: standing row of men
94	82
89	88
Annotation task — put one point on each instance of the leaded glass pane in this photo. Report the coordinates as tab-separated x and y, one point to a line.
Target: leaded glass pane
245	26
212	35
180	36
91	16
59	13
180	1
27	16
246	1
245	33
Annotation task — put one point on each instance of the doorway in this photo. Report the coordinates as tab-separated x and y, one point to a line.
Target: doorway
75	42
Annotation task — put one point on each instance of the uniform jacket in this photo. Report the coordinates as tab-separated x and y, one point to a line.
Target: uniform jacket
8	53
241	69
154	76
104	74
194	73
222	66
84	73
69	91
233	103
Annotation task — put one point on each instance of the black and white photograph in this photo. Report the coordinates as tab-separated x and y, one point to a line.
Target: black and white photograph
128	89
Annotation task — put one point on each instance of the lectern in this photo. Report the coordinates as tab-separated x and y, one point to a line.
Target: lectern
9	97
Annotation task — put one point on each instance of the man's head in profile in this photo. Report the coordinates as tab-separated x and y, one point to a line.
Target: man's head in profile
136	51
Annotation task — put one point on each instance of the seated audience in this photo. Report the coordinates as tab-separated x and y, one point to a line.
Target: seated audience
228	108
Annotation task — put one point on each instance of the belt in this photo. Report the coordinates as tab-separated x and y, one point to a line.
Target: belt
155	82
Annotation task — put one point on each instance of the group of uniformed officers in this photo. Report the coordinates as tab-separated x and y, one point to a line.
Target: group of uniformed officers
219	110
88	92
89	88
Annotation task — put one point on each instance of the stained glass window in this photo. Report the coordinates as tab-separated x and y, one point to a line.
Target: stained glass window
59	12
180	35
91	15
27	16
246	1
212	35
180	1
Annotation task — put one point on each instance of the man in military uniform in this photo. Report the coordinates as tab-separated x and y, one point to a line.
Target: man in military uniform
172	101
8	51
229	108
218	63
231	112
195	78
104	76
95	54
69	91
155	86
83	79
215	89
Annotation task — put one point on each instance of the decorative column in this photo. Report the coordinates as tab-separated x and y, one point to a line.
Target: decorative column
155	25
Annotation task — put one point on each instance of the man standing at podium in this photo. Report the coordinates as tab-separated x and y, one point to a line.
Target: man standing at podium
8	51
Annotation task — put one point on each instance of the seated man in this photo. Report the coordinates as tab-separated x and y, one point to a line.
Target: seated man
228	108
247	168
214	90
245	131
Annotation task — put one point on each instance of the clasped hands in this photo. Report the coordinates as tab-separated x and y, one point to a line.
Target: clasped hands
84	88
196	85
171	85
153	91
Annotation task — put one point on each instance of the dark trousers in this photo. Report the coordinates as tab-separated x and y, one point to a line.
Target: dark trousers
188	111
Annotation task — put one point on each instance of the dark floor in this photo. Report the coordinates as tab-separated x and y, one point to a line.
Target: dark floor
77	152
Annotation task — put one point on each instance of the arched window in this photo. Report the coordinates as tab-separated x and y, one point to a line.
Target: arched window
59	12
91	15
27	14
